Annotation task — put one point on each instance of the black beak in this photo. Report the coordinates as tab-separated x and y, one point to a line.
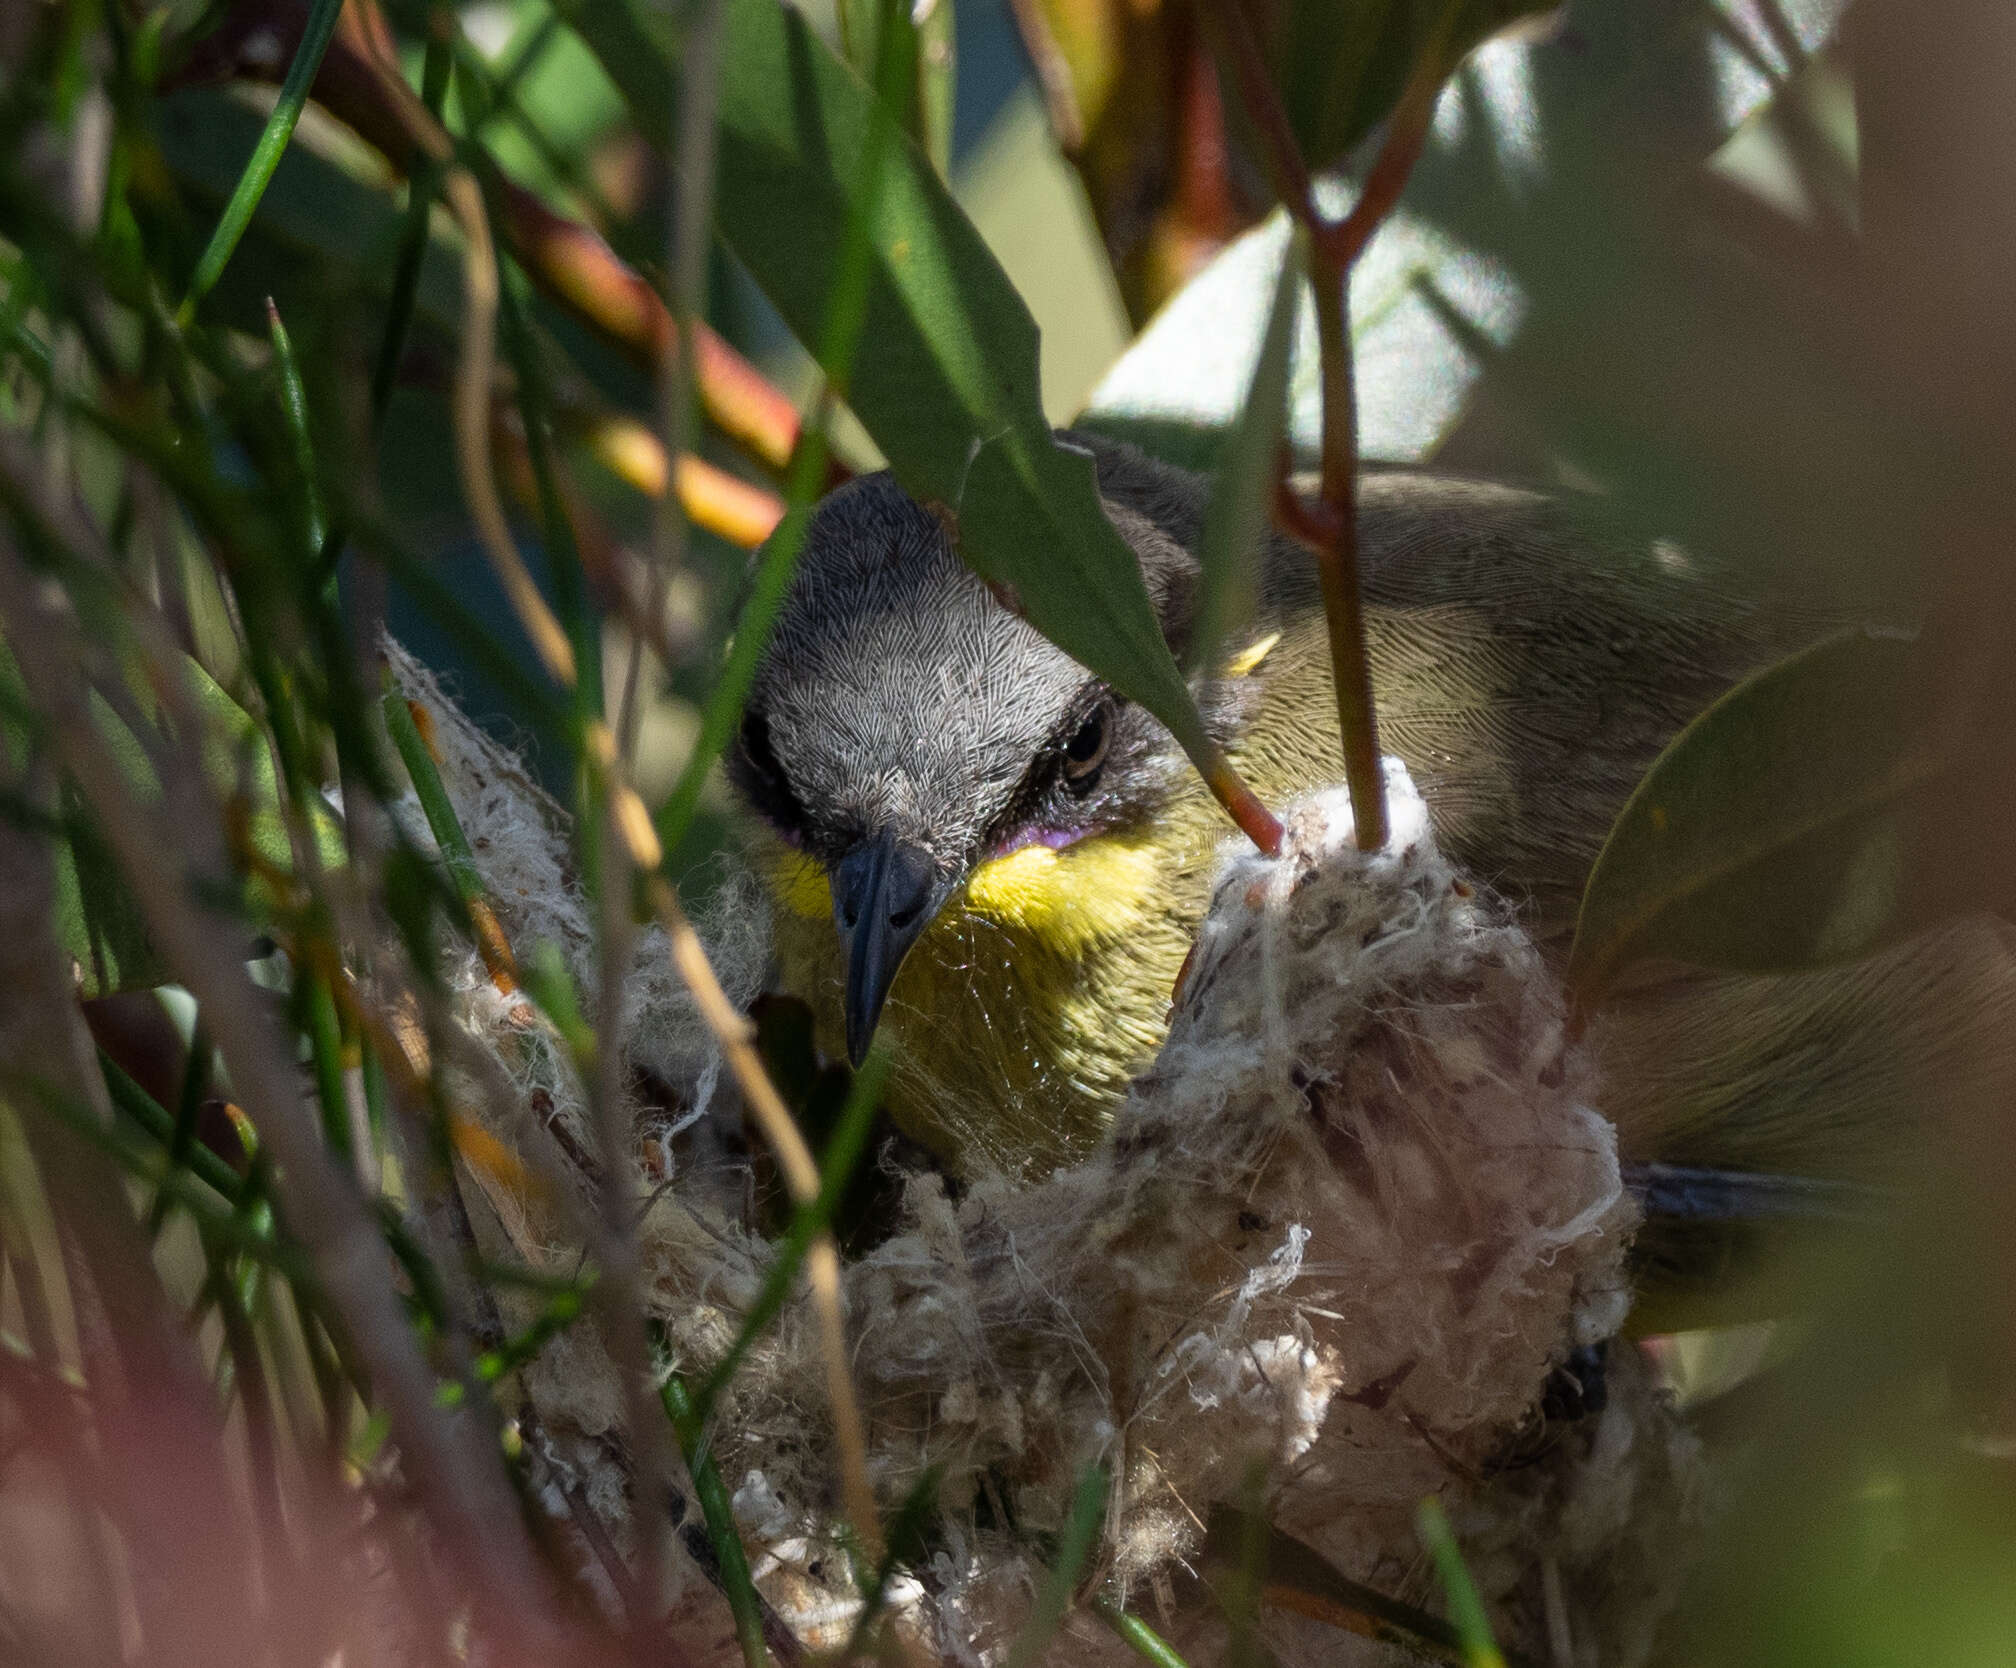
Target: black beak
884	895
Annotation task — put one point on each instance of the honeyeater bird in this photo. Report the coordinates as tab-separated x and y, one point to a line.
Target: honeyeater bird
979	848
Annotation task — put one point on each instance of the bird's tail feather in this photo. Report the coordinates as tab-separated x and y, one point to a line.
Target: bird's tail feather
1833	1076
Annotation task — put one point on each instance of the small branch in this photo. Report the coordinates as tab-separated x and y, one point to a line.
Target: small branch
1406	133
1337	558
1330	528
1280	152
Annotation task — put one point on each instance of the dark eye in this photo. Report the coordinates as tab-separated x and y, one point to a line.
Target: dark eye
1085	752
762	775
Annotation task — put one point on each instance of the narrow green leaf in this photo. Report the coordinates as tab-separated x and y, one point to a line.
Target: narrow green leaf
252	183
159	1125
1074	1552
325	1044
907	1542
1242	484
294	407
1138	1636
1769	835
951	393
1466	1609
435	805
744	1603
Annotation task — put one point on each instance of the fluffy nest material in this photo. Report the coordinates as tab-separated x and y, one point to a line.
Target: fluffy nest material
1350	1239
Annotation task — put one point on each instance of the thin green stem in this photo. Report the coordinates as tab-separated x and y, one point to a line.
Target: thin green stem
325	1047
839	339
294	406
744	1603
157	1123
421	186
1466	1609
1074	1553
1137	1635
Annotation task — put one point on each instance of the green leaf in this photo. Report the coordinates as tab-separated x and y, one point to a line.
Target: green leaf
1775	831
1030	522
1339	69
951	384
1435	292
1466	1609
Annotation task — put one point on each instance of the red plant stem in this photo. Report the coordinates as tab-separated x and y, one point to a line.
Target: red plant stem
1330	529
1342	242
1337	556
1243	805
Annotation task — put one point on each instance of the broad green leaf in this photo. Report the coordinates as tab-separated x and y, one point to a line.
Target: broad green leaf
1776	830
948	378
1030	521
1435	295
1340	69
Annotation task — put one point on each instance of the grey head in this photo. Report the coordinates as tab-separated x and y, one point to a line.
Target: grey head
905	725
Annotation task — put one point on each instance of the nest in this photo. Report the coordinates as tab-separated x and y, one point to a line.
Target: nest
1350	1239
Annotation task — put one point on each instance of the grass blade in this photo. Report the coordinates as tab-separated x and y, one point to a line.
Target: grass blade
1466	1609
839	337
1138	1636
294	405
1074	1552
420	190
719	1512
273	140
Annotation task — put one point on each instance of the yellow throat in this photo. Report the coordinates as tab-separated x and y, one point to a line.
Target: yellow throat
1040	989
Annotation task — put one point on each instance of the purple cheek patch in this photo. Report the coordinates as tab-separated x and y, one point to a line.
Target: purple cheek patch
1055	838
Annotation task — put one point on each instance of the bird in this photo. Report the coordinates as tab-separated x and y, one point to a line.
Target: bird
982	853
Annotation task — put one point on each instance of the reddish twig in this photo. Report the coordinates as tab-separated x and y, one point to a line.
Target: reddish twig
1330	527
